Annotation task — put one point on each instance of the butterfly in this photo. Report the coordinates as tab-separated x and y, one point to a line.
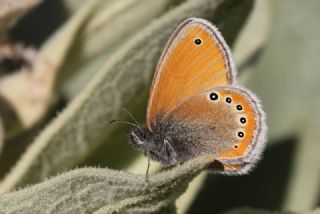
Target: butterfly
195	106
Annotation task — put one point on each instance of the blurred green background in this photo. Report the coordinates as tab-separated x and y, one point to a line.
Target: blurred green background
68	66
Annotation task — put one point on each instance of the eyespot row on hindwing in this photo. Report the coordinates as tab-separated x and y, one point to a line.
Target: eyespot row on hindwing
228	99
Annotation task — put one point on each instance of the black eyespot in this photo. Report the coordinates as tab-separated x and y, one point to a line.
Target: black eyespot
213	96
243	120
228	100
240	134
197	41
235	146
239	107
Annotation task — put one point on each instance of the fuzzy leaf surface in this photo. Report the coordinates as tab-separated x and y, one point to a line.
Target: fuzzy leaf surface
104	191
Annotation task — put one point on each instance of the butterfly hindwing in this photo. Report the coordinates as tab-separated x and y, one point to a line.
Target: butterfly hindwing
226	121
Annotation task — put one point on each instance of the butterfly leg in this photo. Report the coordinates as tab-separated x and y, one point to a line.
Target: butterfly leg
147	172
171	153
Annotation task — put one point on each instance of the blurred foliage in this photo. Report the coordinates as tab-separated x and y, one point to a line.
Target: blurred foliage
67	68
11	11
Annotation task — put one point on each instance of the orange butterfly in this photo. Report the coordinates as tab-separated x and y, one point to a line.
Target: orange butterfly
195	108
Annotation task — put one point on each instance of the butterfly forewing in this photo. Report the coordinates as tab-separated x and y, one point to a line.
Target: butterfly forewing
195	59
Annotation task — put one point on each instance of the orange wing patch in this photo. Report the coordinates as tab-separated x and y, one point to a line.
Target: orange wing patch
246	110
195	59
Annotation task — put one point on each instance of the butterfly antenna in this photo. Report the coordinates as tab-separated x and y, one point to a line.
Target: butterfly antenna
147	172
125	122
132	117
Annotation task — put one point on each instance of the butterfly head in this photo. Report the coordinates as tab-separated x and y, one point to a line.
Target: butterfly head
154	145
138	137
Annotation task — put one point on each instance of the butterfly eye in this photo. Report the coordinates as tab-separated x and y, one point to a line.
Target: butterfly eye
197	41
240	134
228	100
213	96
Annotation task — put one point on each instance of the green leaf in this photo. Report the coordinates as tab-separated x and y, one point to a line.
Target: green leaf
73	135
104	191
104	33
